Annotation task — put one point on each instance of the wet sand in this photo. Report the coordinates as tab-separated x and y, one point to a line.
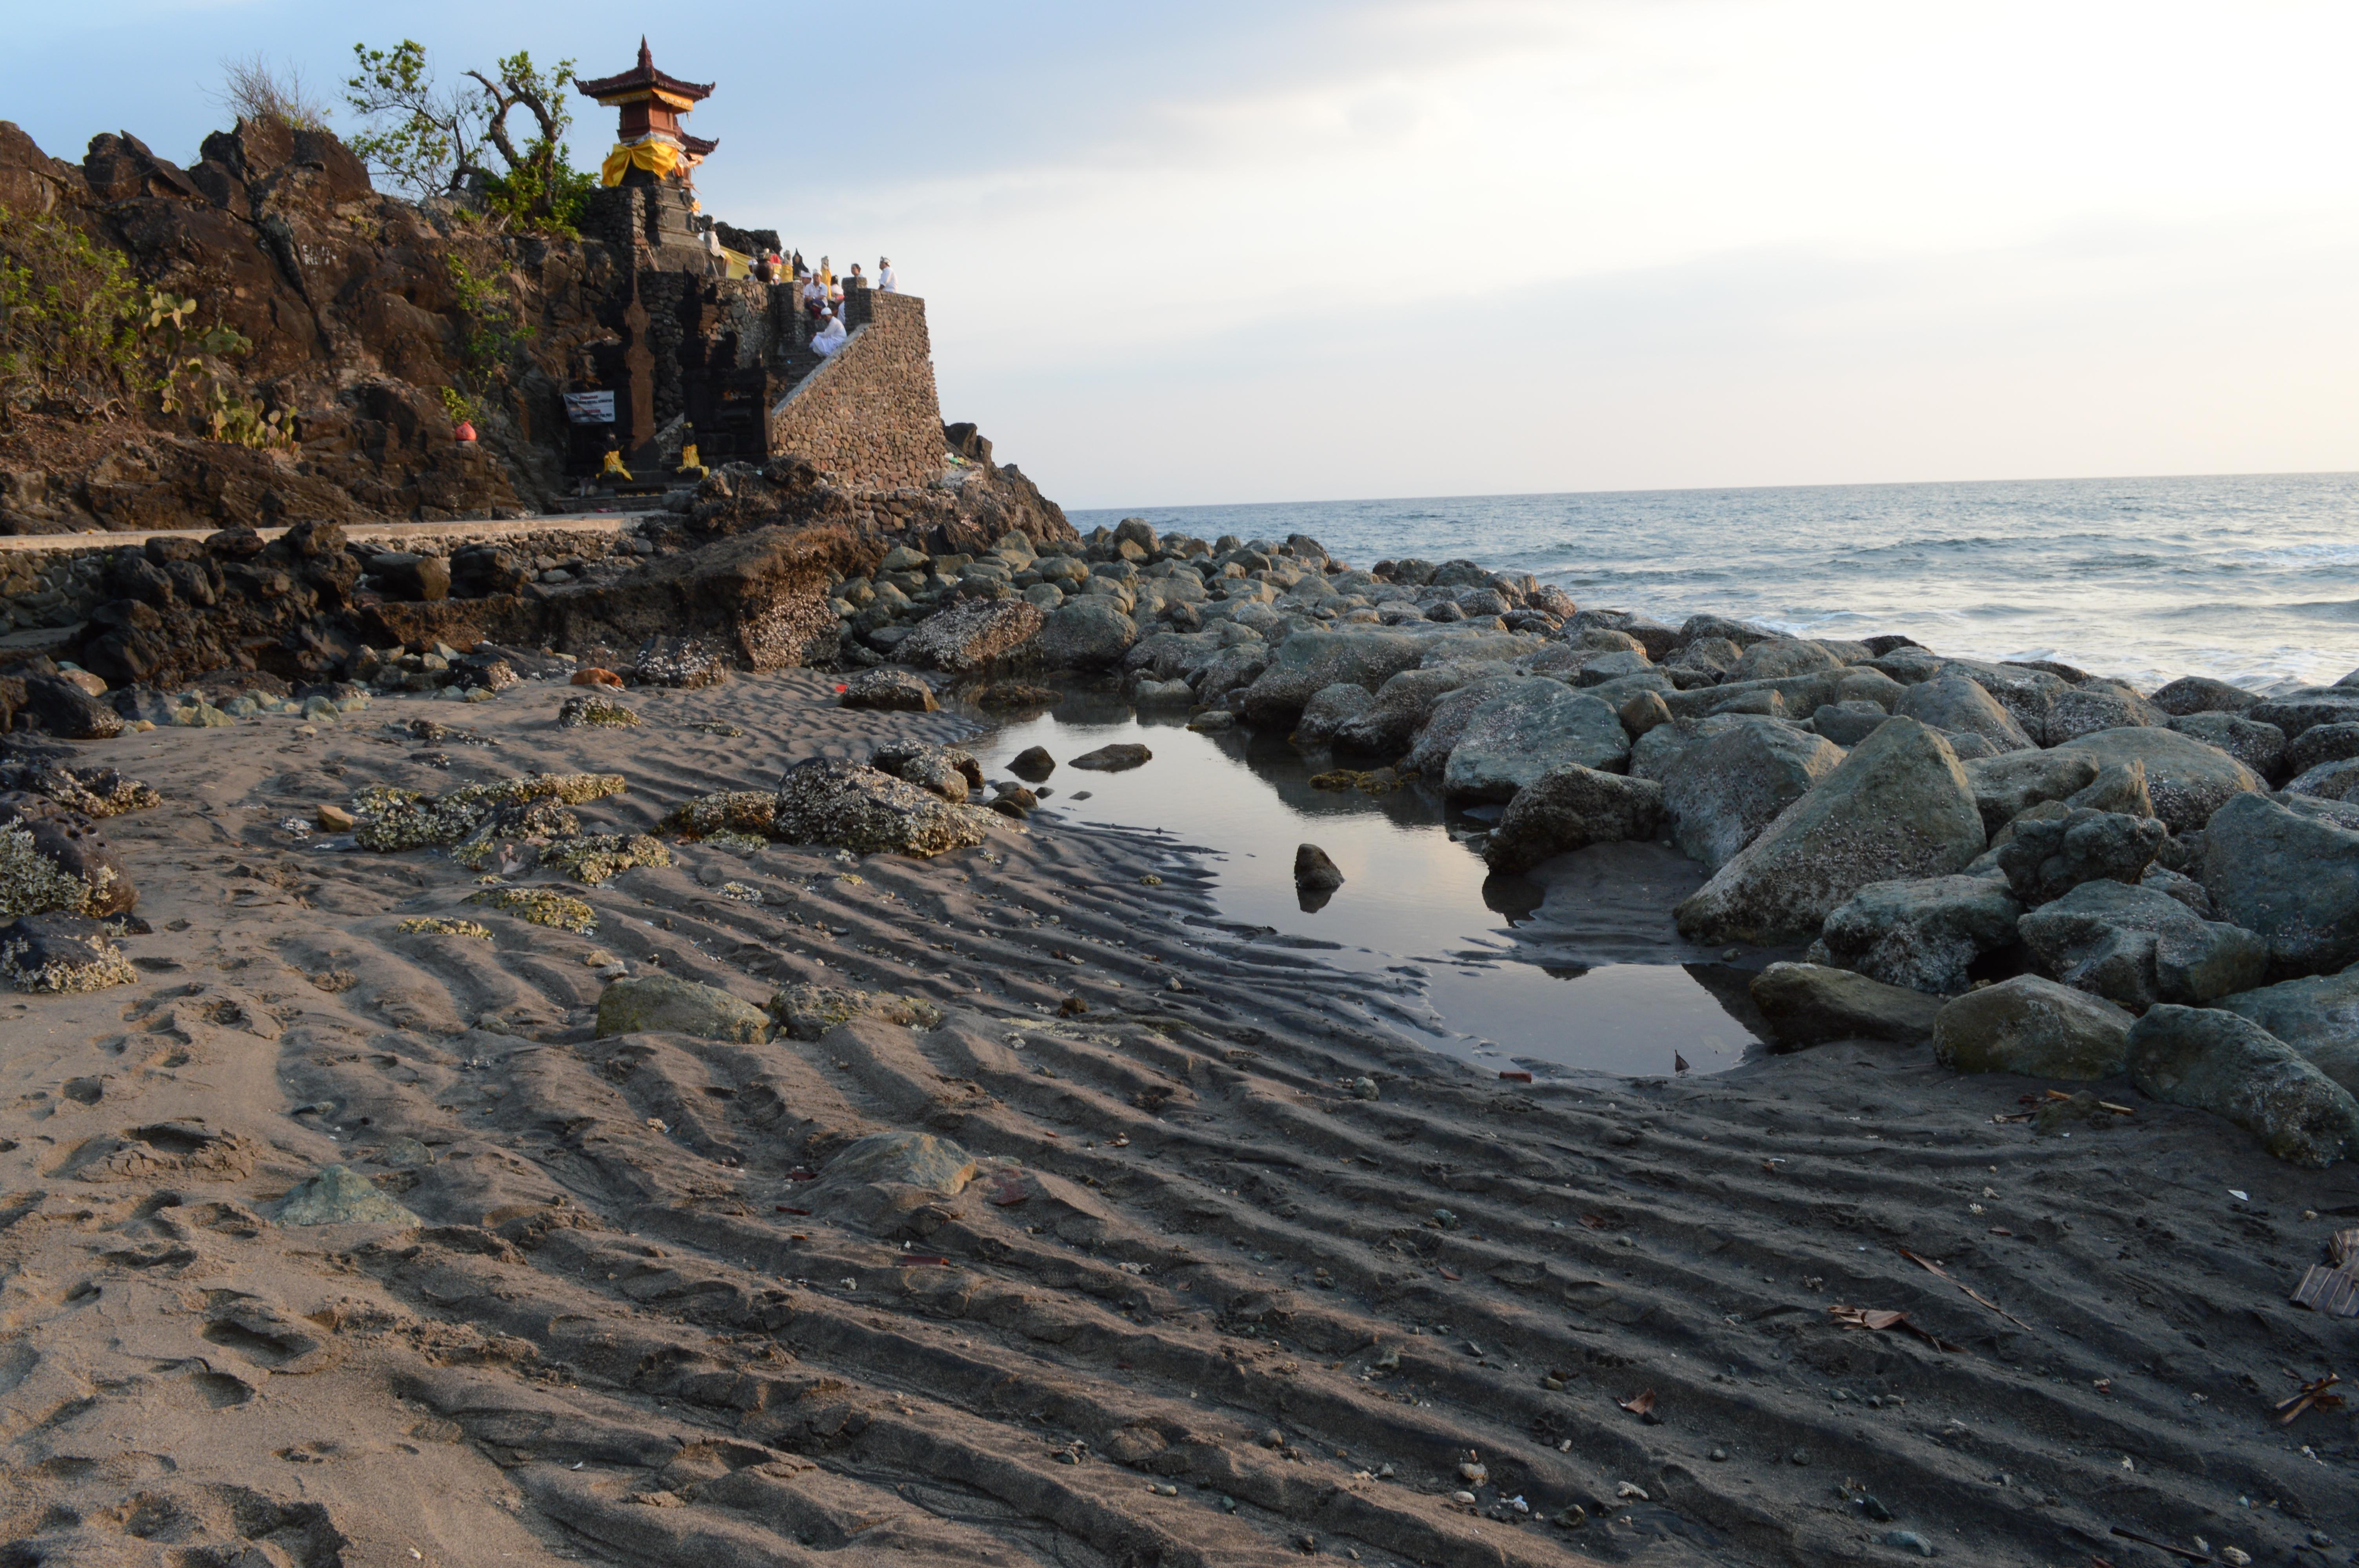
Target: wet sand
616	1338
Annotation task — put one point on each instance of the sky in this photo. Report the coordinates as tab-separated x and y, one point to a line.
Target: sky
1228	252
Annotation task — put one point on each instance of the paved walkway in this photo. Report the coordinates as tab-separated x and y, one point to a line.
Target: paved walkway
376	532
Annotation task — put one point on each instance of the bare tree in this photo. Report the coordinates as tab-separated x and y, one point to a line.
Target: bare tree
255	89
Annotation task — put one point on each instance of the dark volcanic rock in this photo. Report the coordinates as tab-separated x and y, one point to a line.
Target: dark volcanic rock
1809	1004
67	711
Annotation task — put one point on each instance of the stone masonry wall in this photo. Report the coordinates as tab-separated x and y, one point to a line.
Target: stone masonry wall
870	417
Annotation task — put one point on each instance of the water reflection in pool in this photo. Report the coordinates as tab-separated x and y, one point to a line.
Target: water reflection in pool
1577	965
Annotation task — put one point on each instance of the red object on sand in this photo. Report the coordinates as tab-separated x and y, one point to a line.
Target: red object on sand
596	677
465	432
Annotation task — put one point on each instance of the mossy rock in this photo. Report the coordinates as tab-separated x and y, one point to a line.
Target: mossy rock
338	1195
664	1004
542	906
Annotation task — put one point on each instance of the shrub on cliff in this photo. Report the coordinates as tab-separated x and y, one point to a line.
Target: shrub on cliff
70	316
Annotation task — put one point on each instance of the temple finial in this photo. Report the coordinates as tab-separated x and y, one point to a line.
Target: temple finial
647	60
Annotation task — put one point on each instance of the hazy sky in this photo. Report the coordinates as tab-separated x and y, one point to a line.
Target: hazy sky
1230	251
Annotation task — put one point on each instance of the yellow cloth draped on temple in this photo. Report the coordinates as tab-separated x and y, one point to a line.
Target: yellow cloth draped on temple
658	158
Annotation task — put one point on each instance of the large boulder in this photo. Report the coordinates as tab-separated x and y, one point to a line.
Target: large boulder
2328	781
1402	705
2025	691
667	1004
1445	726
1922	933
2047	857
1088	632
2224	1063
1364	656
2035	1027
2290	876
1571	807
759	599
2260	747
2008	786
1525	730
1956	703
2318	1016
833	801
2297	714
2187	780
2201	694
1328	709
67	711
1897	807
2138	946
61	952
2322	743
1810	1004
1721	791
1778	656
889	691
2094	705
974	634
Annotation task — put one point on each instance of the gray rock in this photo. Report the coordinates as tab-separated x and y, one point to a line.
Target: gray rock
2044	858
1568	808
1171	656
833	801
1922	933
1743	634
2024	691
1451	713
2290	876
1897	807
2328	781
2099	705
1162	694
1848	723
2199	693
1956	703
1032	764
1711	658
1328	709
972	635
945	771
1232	670
1524	730
1403	705
2185	889
1120	757
2318	1016
2035	1027
889	691
2221	1062
1778	656
2320	745
2120	788
1088	632
1314	870
2007	786
2260	747
338	1194
1307	661
1970	748
1644	711
1810	1004
666	1004
1605	667
1721	792
2296	715
2187	780
879	1180
2138	946
1750	700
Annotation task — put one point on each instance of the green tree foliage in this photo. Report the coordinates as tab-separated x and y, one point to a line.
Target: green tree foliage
72	319
493	336
427	139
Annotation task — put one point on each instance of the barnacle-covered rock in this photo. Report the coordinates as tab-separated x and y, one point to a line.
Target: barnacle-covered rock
94	792
594	710
542	906
394	819
731	811
827	800
808	1011
61	952
442	925
601	857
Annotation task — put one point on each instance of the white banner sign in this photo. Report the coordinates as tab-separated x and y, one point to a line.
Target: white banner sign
590	408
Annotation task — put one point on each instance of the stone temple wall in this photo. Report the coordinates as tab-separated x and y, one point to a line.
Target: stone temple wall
870	416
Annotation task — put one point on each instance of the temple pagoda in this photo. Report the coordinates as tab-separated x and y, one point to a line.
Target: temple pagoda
649	145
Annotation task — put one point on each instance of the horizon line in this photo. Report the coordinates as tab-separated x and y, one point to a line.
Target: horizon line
1723	489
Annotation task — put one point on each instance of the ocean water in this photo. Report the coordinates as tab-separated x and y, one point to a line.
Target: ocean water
2250	578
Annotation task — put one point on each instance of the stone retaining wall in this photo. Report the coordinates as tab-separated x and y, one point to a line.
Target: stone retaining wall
870	417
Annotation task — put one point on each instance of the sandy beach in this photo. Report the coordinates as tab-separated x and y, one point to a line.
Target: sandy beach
1200	1300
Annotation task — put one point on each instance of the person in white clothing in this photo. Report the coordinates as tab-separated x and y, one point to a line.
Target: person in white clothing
885	276
829	338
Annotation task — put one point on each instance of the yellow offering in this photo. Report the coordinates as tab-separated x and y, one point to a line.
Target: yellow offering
613	467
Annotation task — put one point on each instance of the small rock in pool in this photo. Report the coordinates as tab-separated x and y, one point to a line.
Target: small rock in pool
889	691
1908	1541
1212	723
1314	872
1033	762
1115	758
